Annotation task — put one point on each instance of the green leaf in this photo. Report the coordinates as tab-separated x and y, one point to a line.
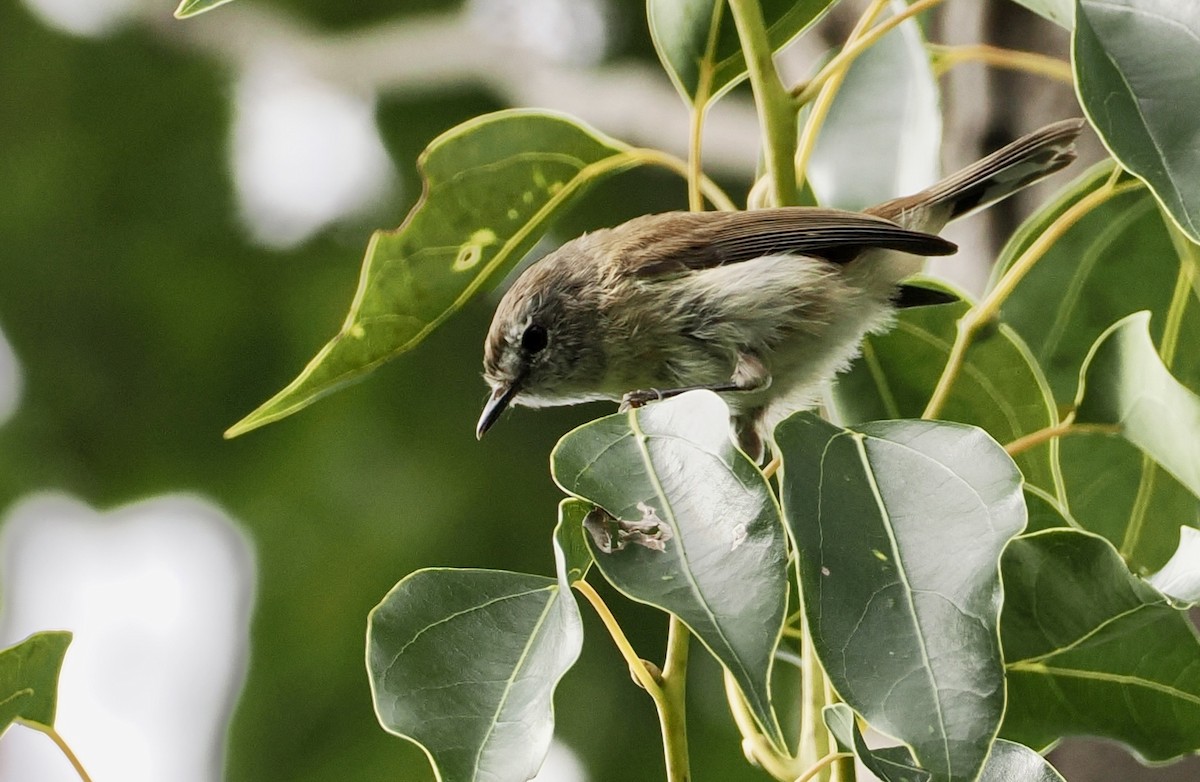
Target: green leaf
1137	64
699	46
492	187
189	8
899	527
573	556
889	764
1000	389
1008	762
29	678
882	137
1179	579
1044	512
1094	650
1118	259
464	663
724	569
1125	384
1061	12
1012	762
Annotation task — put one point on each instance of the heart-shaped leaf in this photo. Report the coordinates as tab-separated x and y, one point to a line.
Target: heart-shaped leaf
29	678
723	568
699	47
492	187
899	527
1119	259
1137	64
1000	388
882	137
1092	649
464	664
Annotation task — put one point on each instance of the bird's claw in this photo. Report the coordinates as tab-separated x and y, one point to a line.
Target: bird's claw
639	398
612	534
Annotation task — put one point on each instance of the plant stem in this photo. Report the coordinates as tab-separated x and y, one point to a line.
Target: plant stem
852	51
824	99
986	310
821	764
636	665
776	111
62	745
946	57
672	703
756	746
814	740
1066	427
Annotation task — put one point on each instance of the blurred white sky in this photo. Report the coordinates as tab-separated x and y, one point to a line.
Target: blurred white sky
158	596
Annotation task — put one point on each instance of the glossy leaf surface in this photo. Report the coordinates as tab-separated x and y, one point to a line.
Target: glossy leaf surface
1125	384
1000	388
724	569
899	527
1137	64
1118	259
464	664
1093	650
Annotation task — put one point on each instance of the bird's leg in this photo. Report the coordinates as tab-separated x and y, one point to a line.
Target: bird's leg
612	534
750	374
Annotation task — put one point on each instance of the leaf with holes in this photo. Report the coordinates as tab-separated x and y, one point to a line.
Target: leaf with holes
899	527
1000	388
492	187
1137	64
1093	650
699	46
723	569
882	137
1118	259
29	678
464	663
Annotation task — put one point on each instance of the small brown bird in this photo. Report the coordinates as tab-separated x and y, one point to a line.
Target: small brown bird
762	307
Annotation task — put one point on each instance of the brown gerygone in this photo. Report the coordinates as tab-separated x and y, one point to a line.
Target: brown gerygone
762	307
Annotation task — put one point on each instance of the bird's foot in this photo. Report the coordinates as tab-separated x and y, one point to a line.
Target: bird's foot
640	398
612	534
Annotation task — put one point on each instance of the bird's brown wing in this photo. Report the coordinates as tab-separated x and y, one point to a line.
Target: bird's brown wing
687	240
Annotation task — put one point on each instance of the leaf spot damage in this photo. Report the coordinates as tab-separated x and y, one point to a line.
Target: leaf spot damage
472	250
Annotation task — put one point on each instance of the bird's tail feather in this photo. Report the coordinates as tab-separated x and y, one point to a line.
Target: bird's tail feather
994	178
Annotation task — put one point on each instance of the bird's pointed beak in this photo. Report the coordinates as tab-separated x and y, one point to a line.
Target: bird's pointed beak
496	404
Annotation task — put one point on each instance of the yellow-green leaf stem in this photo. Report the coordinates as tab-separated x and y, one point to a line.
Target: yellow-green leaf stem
810	89
947	57
62	745
985	310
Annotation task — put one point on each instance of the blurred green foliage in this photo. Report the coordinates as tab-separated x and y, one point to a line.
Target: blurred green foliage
145	323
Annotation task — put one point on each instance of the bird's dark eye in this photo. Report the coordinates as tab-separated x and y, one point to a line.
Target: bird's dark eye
534	339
